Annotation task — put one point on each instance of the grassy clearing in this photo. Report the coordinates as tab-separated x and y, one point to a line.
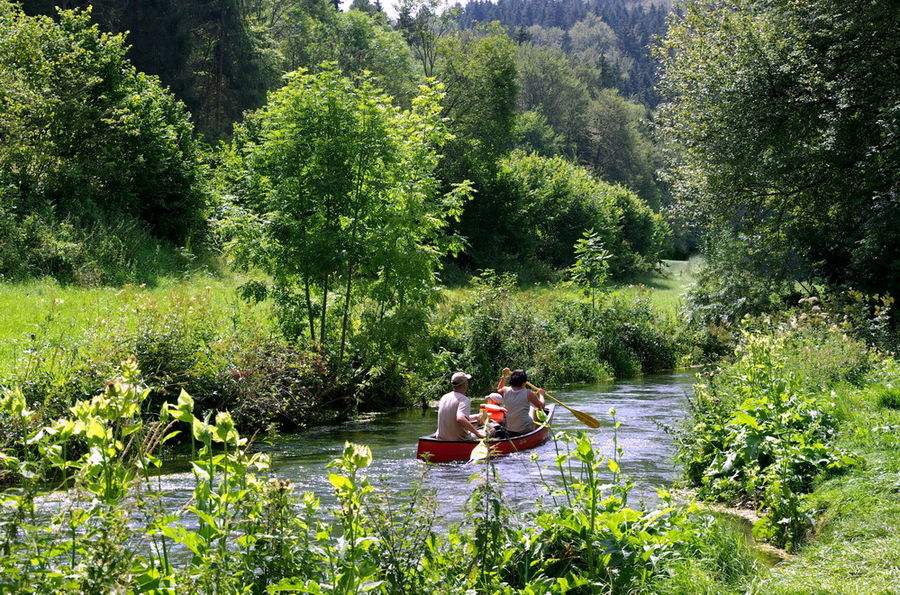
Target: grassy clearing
665	288
56	314
856	548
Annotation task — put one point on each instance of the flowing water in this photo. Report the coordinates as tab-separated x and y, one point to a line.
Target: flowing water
644	406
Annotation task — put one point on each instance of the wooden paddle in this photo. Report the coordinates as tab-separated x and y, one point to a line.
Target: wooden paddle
579	415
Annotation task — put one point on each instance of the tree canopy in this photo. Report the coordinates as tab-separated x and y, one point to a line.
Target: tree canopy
334	195
86	136
783	119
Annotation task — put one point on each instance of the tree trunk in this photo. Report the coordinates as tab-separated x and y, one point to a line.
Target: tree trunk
309	313
322	336
346	313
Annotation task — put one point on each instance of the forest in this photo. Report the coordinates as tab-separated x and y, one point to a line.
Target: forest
229	225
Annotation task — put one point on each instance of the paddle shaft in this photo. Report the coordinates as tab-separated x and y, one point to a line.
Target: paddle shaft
580	415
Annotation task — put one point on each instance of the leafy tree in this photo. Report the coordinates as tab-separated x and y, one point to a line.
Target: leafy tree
783	120
423	24
335	197
616	145
479	72
599	127
313	33
614	36
211	54
547	83
544	205
533	134
591	268
231	67
87	137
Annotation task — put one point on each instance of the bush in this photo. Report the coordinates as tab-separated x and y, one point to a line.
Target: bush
568	342
548	203
499	330
105	252
575	359
276	387
761	430
87	135
630	337
98	160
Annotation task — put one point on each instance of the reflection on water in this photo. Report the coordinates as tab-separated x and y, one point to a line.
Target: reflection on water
642	406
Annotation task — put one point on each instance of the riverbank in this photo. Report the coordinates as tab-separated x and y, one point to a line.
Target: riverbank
854	546
46	311
802	427
234	354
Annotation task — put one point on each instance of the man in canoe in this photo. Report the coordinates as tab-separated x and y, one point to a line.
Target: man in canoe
518	401
454	412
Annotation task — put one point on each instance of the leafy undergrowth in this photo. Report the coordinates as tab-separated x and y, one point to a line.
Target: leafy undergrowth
244	532
763	428
801	426
855	547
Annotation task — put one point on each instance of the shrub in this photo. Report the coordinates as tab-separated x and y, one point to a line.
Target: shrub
761	431
575	359
630	337
87	138
274	386
548	203
500	330
105	252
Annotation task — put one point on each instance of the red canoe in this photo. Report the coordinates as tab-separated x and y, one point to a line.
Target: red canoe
441	451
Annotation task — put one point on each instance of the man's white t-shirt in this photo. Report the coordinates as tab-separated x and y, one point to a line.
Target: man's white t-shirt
451	405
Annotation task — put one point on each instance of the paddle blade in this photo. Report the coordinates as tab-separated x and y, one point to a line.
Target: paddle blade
585	418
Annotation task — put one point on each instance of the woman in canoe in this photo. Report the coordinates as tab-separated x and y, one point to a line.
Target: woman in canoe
518	401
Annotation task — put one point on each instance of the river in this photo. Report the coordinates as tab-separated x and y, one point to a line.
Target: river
643	406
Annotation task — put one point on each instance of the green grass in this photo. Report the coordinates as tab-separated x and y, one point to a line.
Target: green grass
665	288
44	311
856	546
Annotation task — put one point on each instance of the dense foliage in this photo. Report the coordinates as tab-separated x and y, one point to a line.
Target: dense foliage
569	342
593	124
783	118
763	428
334	194
541	206
88	142
60	192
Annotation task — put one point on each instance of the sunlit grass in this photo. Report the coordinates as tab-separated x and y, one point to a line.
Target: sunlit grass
856	547
46	311
665	288
58	314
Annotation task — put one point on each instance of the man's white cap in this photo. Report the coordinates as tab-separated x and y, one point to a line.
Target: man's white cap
460	377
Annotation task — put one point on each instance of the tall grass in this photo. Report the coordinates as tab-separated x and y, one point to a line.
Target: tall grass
44	310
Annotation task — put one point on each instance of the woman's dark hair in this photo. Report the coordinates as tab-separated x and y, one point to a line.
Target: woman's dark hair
518	378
